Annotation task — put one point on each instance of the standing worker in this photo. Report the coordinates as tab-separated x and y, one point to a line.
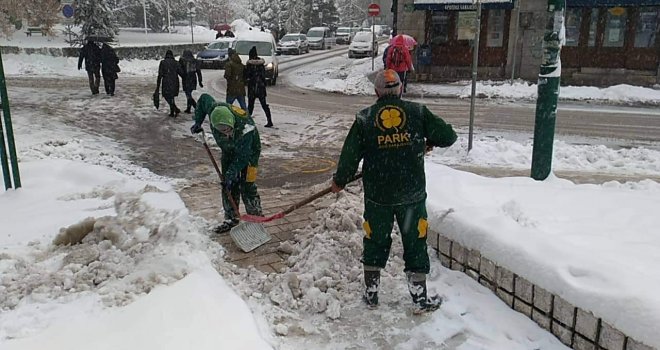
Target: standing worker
255	75
235	79
91	54
169	71
234	132
109	68
191	75
391	136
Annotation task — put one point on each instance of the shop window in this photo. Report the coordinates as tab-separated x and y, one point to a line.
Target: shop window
466	25
439	27
615	27
495	28
593	25
647	26
573	21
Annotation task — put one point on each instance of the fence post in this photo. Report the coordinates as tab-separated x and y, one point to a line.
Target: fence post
11	146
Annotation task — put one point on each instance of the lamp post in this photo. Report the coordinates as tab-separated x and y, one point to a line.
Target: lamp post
191	12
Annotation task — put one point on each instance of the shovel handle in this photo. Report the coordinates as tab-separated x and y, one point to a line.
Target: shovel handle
315	196
217	170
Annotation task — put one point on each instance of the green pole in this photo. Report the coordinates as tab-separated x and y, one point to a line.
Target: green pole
10	131
548	91
3	158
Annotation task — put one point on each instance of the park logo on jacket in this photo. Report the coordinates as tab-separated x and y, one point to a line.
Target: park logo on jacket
391	121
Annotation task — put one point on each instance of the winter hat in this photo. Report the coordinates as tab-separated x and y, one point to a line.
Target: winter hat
221	115
387	82
169	54
253	53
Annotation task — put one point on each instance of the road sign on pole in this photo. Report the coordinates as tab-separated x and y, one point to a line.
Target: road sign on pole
373	10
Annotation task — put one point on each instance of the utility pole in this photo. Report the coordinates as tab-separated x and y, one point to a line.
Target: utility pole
475	66
548	91
191	12
395	8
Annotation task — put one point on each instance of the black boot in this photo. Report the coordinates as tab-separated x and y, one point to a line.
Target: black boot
418	292
268	119
226	226
371	282
188	105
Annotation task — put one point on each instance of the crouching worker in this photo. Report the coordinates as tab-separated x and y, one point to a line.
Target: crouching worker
391	137
238	138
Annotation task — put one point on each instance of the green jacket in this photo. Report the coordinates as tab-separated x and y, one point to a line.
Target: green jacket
234	75
391	137
244	148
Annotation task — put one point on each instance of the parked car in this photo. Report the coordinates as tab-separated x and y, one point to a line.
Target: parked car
296	43
344	35
266	49
320	38
364	44
215	54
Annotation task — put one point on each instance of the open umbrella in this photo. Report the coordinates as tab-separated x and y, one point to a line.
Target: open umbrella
406	39
221	27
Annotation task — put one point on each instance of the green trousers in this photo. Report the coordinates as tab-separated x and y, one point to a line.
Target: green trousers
378	224
243	189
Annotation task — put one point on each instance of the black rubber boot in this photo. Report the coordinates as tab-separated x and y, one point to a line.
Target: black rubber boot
371	282
226	226
268	118
418	292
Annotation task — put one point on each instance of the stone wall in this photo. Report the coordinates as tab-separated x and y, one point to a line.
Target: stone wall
124	52
572	325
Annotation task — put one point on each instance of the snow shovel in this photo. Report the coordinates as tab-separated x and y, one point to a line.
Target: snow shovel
315	196
247	235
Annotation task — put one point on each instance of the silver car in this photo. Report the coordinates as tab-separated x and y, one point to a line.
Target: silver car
293	43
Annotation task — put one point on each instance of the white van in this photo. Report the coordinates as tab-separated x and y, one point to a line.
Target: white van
320	38
266	49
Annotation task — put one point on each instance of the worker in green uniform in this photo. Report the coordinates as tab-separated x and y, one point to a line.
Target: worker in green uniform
238	138
391	138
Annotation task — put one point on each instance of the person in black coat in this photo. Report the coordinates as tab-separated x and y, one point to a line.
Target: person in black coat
255	77
191	75
109	68
169	71
91	54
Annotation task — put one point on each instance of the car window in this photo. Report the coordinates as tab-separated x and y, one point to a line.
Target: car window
343	30
363	37
263	48
315	33
219	45
289	38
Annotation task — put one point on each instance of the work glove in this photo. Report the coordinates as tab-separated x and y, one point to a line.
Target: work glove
196	128
201	85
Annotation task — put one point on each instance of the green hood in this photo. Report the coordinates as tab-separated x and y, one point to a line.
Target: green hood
205	105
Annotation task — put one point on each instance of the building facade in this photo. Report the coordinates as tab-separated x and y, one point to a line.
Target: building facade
607	41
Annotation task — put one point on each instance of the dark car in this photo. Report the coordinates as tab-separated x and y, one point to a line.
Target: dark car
215	55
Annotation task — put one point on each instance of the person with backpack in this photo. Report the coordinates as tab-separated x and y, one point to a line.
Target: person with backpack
255	75
191	75
391	137
91	54
169	71
109	68
399	60
235	79
238	138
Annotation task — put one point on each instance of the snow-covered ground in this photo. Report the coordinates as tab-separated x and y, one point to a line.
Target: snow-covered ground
149	267
350	76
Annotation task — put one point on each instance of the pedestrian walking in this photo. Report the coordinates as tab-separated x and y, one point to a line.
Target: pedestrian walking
191	76
238	138
255	76
235	80
399	59
391	137
90	53
109	68
169	71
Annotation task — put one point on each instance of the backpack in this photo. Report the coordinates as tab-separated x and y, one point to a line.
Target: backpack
397	57
190	66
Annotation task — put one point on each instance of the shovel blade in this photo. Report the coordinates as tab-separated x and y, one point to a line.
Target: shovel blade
249	235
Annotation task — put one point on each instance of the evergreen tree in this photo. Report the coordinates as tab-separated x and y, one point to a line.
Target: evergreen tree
96	18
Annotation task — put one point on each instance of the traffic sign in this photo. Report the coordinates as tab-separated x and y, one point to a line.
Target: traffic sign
373	10
67	11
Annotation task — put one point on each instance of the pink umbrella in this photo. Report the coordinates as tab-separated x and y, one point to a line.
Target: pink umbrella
404	39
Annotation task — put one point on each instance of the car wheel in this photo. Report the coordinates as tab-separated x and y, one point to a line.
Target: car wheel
273	81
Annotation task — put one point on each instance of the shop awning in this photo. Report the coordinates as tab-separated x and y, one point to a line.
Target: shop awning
461	5
611	3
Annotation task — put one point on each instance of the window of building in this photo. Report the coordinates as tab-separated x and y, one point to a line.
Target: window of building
647	26
439	27
495	28
593	25
615	27
573	21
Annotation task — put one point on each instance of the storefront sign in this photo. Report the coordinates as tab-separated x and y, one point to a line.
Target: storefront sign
466	25
461	5
610	3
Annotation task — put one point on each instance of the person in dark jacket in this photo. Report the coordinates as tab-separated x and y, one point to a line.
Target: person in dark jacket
91	54
235	79
255	76
109	68
191	75
169	71
391	137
